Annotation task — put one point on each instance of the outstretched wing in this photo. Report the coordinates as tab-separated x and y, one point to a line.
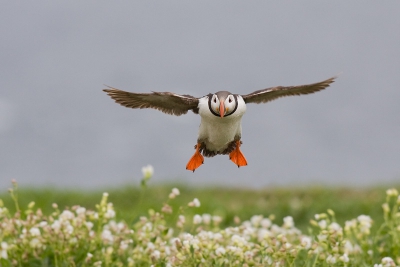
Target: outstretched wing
265	95
166	102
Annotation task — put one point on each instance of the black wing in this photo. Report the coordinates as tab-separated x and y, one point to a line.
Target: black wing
166	102
265	95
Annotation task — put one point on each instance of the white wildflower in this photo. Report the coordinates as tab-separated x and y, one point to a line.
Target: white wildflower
67	215
218	236
220	251
3	250
364	219
348	225
322	224
34	231
150	246
306	242
147	227
69	229
365	223
175	192
89	256
107	236
167	209
248	231
147	171
181	221
110	213
176	242
186	244
89	225
263	234
322	237
268	260
194	203
387	262
288	222
237	251
80	210
276	229
334	226
195	243
217	219
248	254
121	226
125	244
197	219
265	223
238	240
331	259
56	226
156	254
167	250
344	258
320	216
206	218
392	192
42	224
256	220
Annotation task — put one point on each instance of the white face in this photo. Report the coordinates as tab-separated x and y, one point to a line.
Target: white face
230	104
227	107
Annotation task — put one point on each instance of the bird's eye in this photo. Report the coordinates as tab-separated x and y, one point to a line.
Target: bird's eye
215	100
230	100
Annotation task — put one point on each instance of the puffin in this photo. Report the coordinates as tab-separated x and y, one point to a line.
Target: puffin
221	113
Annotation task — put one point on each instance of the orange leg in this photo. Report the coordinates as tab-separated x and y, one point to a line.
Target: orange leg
196	160
237	157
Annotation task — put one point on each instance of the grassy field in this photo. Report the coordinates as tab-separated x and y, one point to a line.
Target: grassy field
146	226
301	204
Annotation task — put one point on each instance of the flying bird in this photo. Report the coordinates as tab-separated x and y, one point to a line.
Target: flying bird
221	114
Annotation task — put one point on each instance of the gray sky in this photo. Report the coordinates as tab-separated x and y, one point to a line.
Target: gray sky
58	128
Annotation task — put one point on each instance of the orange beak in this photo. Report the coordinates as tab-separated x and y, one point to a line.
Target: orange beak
221	109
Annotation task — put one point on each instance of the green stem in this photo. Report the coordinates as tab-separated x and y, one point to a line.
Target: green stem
14	196
315	261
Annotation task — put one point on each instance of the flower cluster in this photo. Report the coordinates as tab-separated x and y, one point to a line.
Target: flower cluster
78	236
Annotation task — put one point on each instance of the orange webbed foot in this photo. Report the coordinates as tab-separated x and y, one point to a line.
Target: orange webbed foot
196	160
237	157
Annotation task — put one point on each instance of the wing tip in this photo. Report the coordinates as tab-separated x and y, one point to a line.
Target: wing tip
110	89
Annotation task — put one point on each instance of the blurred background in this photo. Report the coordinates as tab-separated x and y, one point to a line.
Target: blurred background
57	127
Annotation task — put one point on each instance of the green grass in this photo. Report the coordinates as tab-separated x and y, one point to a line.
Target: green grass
151	227
301	204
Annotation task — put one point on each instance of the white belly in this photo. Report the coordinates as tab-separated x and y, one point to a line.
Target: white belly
216	132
